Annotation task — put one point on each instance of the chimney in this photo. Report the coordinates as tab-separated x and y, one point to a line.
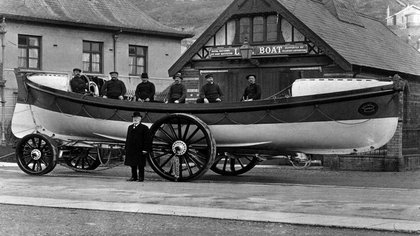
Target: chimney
388	12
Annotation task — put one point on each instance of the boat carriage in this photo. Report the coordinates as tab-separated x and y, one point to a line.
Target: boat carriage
315	116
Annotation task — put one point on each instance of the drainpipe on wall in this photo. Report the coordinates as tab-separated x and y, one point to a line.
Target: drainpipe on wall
115	38
2	83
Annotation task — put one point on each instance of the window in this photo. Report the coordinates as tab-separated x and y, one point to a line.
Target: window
29	52
272	28
138	59
258	29
244	29
92	57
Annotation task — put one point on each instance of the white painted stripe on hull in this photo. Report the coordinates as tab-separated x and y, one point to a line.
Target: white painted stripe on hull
326	137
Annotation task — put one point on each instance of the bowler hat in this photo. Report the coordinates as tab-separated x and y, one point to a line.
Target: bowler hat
136	114
144	75
113	72
77	69
208	76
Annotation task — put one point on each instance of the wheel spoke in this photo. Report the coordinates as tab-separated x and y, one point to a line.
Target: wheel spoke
179	129
83	161
241	163
30	146
187	164
157	157
192	156
77	162
166	134
39	143
193	160
33	165
162	140
169	158
43	161
225	163
186	131
173	131
192	135
198	140
232	164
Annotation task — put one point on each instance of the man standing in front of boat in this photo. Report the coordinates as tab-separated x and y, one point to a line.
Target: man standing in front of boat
210	92
137	146
114	88
252	91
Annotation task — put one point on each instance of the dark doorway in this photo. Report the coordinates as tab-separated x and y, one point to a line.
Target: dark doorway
233	82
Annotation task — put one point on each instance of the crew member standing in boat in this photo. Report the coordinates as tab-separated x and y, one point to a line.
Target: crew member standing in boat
145	91
210	92
113	88
177	92
137	146
252	91
79	82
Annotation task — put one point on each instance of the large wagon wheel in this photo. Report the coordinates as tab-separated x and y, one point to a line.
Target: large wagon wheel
80	158
231	164
36	154
183	147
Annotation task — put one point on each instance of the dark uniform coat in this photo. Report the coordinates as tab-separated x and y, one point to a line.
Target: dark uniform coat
145	90
78	84
113	89
253	91
138	140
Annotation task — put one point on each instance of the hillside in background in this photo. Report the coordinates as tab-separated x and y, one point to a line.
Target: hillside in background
196	15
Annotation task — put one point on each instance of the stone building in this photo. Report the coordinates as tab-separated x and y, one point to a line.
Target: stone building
406	24
97	36
283	40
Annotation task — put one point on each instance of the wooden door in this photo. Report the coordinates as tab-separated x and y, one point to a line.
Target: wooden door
233	82
275	80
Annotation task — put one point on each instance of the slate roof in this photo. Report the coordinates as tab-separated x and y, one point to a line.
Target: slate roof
104	14
373	45
361	41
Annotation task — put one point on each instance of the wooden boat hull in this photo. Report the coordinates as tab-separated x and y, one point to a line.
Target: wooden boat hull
334	123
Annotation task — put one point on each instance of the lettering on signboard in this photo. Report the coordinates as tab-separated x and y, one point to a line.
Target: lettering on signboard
268	50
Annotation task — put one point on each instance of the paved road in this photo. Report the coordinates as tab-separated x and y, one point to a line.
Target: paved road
370	200
62	221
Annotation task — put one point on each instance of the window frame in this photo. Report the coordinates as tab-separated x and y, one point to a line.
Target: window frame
265	29
145	59
28	47
91	52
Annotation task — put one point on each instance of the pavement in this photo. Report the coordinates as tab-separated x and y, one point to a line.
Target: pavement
388	201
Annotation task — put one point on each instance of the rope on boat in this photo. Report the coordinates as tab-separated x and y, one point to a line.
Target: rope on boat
225	116
268	113
340	122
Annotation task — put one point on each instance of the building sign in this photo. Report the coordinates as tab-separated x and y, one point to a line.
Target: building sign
225	52
266	50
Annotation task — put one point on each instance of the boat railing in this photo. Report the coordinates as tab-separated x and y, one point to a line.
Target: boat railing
284	93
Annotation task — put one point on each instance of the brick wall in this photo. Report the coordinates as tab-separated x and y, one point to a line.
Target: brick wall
402	152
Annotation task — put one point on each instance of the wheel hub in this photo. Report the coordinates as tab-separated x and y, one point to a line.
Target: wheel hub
179	147
36	154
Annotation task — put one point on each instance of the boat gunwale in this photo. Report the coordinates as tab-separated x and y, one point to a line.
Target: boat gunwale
223	107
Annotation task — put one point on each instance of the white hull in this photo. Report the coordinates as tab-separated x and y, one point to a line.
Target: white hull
325	137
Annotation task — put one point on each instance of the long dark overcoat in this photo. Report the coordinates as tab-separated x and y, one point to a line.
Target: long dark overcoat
138	140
